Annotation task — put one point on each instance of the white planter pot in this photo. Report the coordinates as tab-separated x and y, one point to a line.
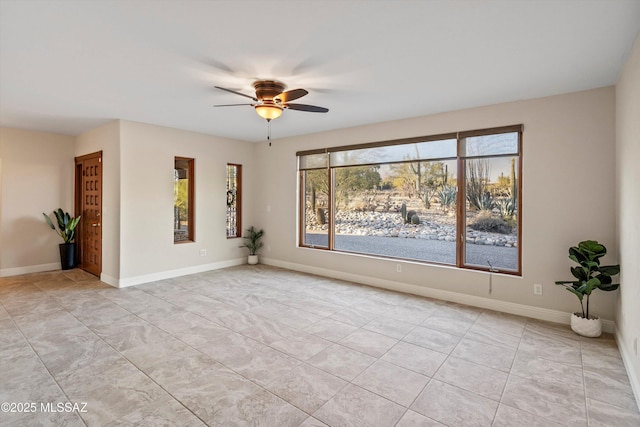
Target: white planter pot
253	259
591	327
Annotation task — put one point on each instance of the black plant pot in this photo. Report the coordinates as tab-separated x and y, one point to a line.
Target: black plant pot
67	255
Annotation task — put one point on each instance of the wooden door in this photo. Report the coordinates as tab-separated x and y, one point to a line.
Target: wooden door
89	205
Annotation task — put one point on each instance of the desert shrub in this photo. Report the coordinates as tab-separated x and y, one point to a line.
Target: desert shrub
485	221
428	196
358	206
512	222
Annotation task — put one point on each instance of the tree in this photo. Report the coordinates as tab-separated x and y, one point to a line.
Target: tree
413	179
316	182
180	200
403	179
355	178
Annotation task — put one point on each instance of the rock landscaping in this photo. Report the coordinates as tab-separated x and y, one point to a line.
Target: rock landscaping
434	225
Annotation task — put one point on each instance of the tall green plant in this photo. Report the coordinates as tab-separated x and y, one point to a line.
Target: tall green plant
589	273
252	238
66	225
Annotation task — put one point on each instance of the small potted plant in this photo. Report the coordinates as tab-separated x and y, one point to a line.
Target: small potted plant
253	243
590	276
67	230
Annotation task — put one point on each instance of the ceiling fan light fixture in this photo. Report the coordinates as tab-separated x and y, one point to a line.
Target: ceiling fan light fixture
269	111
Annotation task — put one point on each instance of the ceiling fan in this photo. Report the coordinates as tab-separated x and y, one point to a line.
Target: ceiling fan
271	99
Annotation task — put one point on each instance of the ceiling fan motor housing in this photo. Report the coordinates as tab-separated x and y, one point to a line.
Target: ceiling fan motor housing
268	89
271	99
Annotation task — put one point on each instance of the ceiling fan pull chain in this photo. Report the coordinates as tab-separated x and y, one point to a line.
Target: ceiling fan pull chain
269	132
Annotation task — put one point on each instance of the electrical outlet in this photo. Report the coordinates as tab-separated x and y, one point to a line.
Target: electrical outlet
399	268
537	289
203	252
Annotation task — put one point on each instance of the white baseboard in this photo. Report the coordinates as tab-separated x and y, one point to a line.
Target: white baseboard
555	316
16	271
146	278
112	281
627	357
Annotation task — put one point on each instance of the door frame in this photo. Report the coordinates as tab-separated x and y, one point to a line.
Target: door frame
78	197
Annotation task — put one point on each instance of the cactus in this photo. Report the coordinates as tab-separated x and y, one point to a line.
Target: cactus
415	219
512	176
320	217
403	212
410	214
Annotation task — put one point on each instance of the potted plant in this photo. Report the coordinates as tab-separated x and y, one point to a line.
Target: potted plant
590	276
253	243
67	230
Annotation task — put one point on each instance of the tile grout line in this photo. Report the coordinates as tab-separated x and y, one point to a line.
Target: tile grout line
123	356
40	358
377	308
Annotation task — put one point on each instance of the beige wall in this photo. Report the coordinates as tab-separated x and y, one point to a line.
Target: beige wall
106	138
568	142
628	211
146	196
36	177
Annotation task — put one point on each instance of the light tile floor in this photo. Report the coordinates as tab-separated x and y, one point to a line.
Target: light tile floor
264	346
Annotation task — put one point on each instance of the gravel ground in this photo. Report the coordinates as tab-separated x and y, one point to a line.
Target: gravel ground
421	249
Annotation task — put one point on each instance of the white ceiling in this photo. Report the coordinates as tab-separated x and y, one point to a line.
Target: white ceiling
69	66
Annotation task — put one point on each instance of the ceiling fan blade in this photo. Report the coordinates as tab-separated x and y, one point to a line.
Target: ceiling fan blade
237	93
290	95
304	107
230	105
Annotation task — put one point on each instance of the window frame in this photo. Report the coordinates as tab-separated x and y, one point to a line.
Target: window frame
461	227
460	201
190	201
302	210
237	199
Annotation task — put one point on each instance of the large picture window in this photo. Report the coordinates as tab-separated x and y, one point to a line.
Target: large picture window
183	200
448	199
